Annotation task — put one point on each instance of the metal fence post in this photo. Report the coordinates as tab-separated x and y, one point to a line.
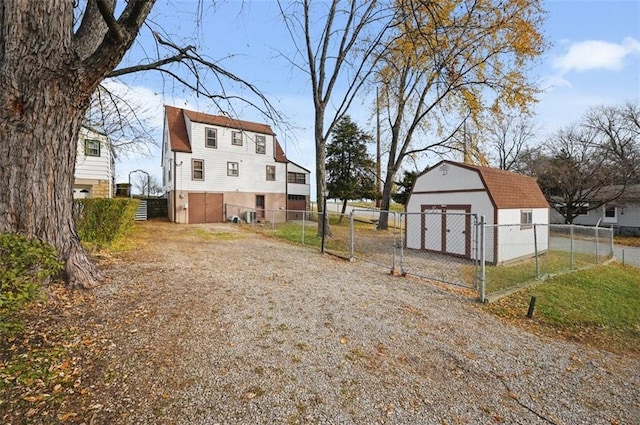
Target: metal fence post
571	264
476	252
395	242
597	246
303	225
483	249
612	251
535	250
352	237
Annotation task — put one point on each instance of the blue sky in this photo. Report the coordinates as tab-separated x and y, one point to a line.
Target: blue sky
594	59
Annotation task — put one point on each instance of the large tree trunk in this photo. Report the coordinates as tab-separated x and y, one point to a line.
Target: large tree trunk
321	174
47	76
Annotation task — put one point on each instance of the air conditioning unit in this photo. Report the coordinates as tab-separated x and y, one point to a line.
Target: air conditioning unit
250	216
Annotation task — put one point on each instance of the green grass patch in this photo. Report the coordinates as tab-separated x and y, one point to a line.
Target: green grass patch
509	275
599	306
308	235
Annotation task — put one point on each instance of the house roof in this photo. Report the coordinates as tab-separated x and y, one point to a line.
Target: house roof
507	189
177	128
630	193
179	137
299	166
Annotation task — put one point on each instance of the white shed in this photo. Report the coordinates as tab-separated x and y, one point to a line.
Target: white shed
445	197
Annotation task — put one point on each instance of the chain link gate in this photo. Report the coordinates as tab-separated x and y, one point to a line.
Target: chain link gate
441	245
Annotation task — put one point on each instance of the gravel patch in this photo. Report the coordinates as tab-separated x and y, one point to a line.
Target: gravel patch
222	326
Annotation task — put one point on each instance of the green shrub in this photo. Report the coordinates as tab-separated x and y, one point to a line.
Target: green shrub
102	221
25	264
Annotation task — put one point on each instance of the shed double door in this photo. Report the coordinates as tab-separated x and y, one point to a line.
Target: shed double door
447	229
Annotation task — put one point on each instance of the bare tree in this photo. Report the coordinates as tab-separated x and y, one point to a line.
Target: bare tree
126	123
334	47
450	61
590	163
618	128
508	136
53	56
577	172
147	185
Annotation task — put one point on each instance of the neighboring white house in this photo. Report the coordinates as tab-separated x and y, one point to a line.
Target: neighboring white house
213	163
623	214
444	197
94	165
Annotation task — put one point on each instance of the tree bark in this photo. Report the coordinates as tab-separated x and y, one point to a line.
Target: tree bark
46	89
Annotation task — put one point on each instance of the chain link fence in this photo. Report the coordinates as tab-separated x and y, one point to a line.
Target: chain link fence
441	246
450	247
517	256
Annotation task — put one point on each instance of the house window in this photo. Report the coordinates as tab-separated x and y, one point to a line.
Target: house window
296	178
271	172
211	138
91	147
236	138
610	212
232	169
296	197
197	169
526	219
261	144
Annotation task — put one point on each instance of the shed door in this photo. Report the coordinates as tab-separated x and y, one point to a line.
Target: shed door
432	229
456	232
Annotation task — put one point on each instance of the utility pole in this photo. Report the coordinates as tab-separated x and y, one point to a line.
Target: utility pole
378	167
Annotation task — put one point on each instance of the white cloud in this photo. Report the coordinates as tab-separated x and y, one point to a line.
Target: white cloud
596	54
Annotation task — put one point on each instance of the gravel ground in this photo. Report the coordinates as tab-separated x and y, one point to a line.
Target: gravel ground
219	326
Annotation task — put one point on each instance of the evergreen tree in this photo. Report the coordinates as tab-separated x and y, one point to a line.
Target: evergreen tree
404	187
350	169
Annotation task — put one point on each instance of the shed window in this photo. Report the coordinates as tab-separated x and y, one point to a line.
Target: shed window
526	219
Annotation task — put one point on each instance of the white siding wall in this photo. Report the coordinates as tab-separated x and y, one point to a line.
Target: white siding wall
457	178
252	166
515	241
93	167
297	188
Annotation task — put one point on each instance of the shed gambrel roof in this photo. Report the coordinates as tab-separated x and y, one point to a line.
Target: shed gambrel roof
179	137
507	189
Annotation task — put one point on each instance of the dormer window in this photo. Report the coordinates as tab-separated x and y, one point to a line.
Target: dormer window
211	138
261	144
236	138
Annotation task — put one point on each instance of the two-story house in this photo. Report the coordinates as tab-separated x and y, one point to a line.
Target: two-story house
212	162
93	177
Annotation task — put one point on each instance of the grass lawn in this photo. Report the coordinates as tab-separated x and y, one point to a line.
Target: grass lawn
599	307
627	240
505	276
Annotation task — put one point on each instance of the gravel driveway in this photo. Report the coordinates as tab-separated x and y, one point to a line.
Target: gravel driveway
226	327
